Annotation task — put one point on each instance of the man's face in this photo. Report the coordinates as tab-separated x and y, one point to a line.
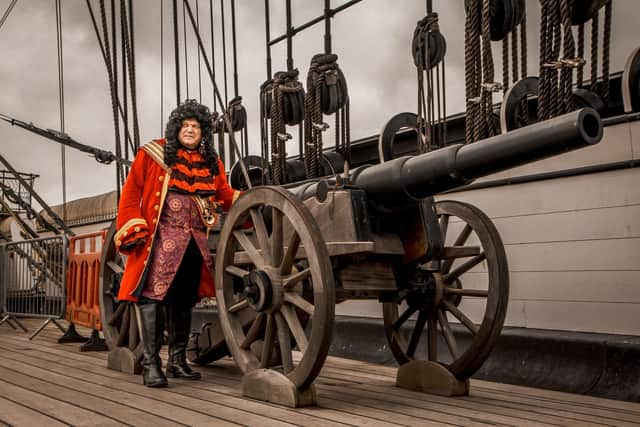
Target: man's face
190	133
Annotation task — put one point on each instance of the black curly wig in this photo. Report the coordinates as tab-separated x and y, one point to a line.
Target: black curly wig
191	109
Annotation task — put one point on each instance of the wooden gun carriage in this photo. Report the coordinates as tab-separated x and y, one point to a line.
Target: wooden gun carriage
375	232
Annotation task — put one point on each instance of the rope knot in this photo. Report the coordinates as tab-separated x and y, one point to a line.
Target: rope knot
492	87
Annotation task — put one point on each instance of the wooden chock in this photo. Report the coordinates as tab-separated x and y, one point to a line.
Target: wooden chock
271	386
430	377
124	360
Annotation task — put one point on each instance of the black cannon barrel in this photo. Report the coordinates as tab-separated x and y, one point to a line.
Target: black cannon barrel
399	181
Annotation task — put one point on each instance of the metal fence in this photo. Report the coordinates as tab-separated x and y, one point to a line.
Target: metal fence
32	280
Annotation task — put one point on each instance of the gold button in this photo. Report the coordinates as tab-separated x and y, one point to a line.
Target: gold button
148	248
156	207
154	220
137	229
161	178
118	243
157	194
124	234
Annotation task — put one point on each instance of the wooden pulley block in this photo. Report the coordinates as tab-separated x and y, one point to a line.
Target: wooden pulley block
504	15
257	168
631	82
292	96
512	100
293	103
585	98
585	10
237	114
324	71
389	131
329	93
295	171
436	46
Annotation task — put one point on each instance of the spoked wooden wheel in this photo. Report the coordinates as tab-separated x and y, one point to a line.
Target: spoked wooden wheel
119	321
281	269
469	286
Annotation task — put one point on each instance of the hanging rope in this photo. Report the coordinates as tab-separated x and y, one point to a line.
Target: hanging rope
606	52
568	52
479	71
594	53
580	54
472	70
488	85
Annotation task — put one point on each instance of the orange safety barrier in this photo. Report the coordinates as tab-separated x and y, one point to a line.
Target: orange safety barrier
83	279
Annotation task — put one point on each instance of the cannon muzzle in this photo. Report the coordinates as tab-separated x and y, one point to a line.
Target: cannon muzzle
397	182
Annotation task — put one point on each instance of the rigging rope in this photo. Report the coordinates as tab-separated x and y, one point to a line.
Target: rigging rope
61	100
131	70
161	68
594	53
199	60
7	12
176	50
113	93
224	52
213	50
580	54
472	70
606	42
184	40
107	63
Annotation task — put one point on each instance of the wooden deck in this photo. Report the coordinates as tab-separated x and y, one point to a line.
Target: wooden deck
48	384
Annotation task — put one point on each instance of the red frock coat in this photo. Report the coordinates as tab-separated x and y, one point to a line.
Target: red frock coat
139	211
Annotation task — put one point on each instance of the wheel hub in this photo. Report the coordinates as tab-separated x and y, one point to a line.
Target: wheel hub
258	290
426	289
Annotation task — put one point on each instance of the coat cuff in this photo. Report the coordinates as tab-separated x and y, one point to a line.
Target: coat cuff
133	230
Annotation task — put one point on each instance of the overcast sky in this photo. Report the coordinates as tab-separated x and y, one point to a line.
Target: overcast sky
372	39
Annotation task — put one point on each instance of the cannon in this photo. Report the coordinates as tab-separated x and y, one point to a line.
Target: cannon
285	256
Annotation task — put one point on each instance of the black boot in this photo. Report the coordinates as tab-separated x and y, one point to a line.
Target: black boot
152	331
179	328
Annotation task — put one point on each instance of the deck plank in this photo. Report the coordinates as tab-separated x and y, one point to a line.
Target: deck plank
14	413
51	405
56	384
515	403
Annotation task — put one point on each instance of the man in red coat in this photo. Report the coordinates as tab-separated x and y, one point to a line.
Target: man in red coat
171	197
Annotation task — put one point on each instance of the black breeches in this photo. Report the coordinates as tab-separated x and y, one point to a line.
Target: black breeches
183	291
